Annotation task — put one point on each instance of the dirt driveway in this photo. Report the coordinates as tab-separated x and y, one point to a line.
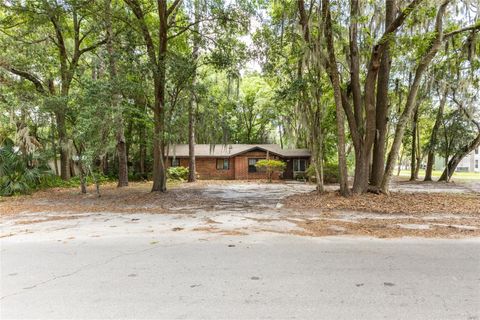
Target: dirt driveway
219	208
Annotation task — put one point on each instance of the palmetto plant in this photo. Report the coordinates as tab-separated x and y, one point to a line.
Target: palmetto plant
16	175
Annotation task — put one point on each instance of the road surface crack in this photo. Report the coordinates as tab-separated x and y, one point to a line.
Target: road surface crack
66	275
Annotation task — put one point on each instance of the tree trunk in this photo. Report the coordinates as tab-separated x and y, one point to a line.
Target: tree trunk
433	138
104	164
362	168
419	154
83	180
362	117
414	145
191	109
362	147
157	59
142	152
54	148
382	107
122	162
191	141
313	110
340	120
71	164
316	143
400	159
457	157
159	174
280	138
115	102
411	100
364	111
63	140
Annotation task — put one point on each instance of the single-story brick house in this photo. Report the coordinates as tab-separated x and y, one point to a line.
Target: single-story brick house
237	161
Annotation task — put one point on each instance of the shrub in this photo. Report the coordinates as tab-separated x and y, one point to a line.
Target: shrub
330	173
177	173
17	176
54	181
271	166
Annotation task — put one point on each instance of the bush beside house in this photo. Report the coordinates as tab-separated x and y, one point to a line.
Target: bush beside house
271	166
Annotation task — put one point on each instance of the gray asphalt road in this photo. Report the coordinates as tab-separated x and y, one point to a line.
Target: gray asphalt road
186	275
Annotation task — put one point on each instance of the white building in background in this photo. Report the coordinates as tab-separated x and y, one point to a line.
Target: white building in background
471	163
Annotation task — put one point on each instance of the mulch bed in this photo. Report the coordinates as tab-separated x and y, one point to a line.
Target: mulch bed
430	215
132	199
396	202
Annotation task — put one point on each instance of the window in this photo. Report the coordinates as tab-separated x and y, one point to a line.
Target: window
251	165
222	164
476	150
299	165
175	162
476	164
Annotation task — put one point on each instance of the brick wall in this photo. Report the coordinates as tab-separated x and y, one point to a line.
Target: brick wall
206	168
238	167
241	166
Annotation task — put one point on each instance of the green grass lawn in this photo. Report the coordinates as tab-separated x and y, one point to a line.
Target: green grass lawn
438	173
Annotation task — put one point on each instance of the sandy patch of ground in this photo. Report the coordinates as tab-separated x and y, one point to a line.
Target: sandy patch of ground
460	186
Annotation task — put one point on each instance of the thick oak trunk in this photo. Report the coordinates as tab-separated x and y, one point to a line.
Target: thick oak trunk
364	144
159	169
382	106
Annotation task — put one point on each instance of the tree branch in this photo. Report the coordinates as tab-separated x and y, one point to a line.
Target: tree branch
173	7
462	107
399	20
183	30
26	75
137	11
474	27
93	46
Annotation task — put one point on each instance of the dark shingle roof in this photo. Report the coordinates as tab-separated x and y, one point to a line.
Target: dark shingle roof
230	150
